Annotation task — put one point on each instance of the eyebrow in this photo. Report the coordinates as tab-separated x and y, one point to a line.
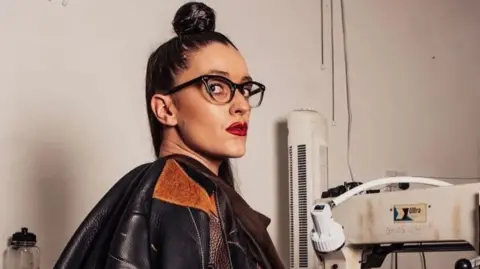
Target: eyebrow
226	74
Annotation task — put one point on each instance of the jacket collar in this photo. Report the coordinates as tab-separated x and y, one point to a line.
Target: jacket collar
196	171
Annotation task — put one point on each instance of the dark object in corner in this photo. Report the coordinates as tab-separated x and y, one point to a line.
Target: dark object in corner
404	186
339	190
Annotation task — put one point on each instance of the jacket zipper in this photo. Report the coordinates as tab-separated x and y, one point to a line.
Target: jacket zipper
223	231
199	238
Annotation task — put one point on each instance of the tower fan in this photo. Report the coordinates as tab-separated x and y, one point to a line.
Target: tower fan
308	174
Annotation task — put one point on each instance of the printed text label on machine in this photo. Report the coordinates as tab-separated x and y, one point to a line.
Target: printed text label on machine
410	213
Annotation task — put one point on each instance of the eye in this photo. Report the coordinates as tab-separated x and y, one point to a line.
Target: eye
248	90
216	88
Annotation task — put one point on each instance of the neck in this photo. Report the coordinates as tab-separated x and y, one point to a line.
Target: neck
172	144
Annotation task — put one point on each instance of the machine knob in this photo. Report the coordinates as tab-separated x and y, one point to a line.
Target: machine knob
463	264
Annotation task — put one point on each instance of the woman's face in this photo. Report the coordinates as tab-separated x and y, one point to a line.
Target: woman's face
206	126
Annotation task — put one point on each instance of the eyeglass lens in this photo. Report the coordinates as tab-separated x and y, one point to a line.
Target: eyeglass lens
221	91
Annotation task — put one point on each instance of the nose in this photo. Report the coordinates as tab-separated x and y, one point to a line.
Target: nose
239	105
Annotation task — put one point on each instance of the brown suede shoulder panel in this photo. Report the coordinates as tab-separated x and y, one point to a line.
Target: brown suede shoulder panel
176	187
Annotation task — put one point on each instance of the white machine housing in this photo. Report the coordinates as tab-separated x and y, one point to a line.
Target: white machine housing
435	219
308	175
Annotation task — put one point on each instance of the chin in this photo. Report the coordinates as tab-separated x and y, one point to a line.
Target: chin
229	149
234	150
236	155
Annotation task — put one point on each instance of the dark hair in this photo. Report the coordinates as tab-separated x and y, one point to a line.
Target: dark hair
194	24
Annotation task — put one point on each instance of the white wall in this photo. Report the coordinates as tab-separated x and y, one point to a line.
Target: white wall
73	120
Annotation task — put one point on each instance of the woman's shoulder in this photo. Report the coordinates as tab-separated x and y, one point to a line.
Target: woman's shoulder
176	186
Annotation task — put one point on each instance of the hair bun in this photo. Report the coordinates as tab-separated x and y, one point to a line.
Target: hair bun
194	18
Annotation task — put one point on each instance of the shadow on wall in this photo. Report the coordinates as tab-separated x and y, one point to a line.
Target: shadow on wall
51	166
281	132
478	154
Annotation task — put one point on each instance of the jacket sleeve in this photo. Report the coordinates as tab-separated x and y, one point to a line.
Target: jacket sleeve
89	245
179	237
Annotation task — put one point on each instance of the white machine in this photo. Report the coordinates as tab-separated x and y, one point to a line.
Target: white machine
358	231
355	226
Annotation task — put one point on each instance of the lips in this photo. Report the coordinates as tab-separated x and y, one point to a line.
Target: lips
238	129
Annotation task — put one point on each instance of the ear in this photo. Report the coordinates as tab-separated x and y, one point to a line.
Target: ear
164	109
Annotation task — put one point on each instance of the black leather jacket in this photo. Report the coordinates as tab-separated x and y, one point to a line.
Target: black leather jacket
129	229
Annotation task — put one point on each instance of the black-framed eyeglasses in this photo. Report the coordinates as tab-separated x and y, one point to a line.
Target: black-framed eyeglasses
222	90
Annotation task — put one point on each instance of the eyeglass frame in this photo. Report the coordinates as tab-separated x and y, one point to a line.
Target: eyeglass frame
233	87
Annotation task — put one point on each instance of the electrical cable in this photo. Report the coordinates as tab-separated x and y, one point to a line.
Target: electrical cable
321	35
453	178
384	181
347	92
422	259
395	256
332	47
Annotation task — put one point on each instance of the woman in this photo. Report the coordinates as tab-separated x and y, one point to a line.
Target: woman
182	211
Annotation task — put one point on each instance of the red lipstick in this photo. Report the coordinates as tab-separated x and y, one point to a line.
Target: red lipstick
238	128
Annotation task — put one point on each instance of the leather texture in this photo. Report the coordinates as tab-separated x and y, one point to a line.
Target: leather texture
129	229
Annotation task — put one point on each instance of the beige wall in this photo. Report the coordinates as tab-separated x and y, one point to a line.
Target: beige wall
73	120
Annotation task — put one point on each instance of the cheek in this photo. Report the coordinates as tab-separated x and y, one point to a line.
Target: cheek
203	124
203	130
200	114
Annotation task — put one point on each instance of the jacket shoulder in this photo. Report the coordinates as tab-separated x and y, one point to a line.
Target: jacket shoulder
176	187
